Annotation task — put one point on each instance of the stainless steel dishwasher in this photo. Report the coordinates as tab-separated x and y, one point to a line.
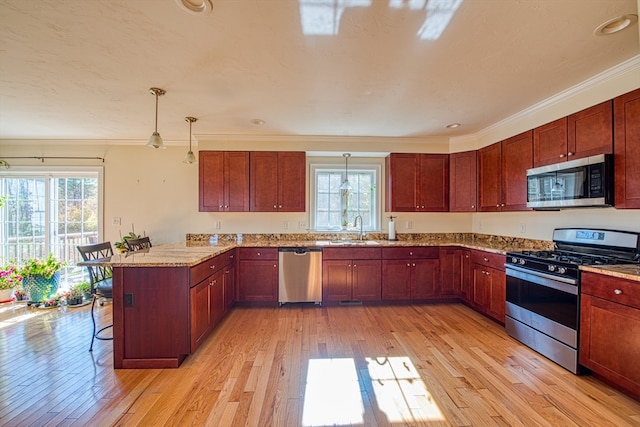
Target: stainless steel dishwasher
300	275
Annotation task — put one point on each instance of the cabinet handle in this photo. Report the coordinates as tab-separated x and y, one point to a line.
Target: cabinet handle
259	254
569	153
212	267
485	259
617	291
561	155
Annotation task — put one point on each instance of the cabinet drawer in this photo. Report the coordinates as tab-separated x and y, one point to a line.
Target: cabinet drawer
614	289
351	253
203	270
410	252
258	253
488	259
226	258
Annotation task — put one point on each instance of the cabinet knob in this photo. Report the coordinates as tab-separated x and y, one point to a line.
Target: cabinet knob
220	207
226	206
498	205
408	265
275	266
561	155
417	207
422	207
275	207
501	204
485	259
473	206
413	265
569	153
349	265
212	266
280	206
259	254
411	253
354	265
617	291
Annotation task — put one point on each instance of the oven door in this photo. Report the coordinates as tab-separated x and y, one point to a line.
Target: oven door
544	302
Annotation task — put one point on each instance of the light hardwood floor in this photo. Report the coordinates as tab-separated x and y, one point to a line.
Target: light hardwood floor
300	365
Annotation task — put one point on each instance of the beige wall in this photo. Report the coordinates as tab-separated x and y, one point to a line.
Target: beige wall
158	194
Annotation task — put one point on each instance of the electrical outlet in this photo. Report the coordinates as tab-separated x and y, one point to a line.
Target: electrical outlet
302	224
286	225
409	225
116	220
217	225
523	228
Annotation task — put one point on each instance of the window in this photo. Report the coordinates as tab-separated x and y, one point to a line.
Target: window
334	209
52	210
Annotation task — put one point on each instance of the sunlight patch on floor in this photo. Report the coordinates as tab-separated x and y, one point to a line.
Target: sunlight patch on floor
12	320
335	392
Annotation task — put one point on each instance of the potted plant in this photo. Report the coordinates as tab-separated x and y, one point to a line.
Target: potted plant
76	294
41	278
10	279
121	246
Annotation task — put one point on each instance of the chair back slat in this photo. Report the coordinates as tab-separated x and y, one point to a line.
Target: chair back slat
97	251
138	244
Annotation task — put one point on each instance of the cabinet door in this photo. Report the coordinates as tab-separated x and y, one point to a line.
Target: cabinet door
229	286
489	178
481	291
291	181
336	280
462	181
200	313
627	150
366	280
497	293
402	182
237	181
550	143
211	181
590	131
258	281
465	284
610	341
433	191
450	271
396	279
217	297
263	181
425	278
517	157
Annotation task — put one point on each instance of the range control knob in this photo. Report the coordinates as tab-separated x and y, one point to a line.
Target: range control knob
514	260
562	270
521	261
551	267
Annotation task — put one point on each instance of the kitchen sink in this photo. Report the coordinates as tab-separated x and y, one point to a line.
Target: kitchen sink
347	243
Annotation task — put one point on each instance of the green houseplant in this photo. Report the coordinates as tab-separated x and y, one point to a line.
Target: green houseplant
10	279
121	246
41	277
78	292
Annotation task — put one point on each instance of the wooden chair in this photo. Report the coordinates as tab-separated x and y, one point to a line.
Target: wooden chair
101	283
137	244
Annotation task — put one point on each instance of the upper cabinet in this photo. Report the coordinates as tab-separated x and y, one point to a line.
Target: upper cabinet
502	174
278	181
223	181
417	182
585	133
463	182
627	150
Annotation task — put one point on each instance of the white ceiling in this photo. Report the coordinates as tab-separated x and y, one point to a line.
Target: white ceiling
82	69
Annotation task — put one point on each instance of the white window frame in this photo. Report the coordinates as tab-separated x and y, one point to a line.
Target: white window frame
336	166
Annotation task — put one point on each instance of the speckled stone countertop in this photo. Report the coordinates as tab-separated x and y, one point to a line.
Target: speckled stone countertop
622	271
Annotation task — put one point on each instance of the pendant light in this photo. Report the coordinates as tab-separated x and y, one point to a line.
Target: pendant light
190	157
346	185
156	140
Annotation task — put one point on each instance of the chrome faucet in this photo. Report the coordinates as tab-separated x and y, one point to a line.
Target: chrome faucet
355	224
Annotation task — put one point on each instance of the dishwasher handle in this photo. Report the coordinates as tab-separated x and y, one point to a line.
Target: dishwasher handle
301	251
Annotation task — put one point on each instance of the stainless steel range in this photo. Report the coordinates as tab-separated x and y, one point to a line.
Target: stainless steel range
543	288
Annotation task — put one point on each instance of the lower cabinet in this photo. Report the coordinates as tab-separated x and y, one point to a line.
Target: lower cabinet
410	273
351	274
257	274
455	270
610	329
488	290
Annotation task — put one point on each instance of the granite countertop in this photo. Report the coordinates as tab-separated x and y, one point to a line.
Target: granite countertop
622	271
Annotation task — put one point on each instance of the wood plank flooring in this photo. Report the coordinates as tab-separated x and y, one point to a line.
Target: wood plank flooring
300	365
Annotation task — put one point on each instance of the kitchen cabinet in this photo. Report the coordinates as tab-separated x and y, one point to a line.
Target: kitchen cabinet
610	329
277	181
488	290
410	273
350	274
585	133
627	150
502	174
417	182
463	182
455	268
257	274
223	181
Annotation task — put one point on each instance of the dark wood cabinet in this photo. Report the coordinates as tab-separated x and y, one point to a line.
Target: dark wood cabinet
417	182
257	274
488	290
627	150
585	133
454	265
610	329
351	274
223	181
277	181
463	182
410	273
502	174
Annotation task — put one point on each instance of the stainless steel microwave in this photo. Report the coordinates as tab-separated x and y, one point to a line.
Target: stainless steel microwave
585	182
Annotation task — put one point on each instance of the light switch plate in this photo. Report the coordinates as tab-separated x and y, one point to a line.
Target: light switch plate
116	221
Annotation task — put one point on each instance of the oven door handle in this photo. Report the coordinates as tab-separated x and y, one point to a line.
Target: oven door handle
563	284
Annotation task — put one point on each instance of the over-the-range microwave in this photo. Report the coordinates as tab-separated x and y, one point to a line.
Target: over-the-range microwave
585	182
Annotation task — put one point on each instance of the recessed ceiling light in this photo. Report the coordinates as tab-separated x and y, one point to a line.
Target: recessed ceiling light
616	24
196	7
257	122
452	125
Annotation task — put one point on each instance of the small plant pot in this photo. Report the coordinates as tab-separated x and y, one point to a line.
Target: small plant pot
6	295
74	300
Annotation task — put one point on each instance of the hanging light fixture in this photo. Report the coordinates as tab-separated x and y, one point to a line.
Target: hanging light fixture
190	157
346	185
156	140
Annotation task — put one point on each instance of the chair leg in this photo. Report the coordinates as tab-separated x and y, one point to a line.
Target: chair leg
93	320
